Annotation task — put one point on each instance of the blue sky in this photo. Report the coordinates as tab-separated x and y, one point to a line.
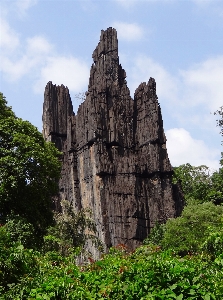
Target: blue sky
179	43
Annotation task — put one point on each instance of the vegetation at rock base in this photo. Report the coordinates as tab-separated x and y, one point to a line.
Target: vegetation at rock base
148	273
182	259
71	230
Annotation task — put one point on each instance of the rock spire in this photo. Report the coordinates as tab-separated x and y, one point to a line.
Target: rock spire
114	158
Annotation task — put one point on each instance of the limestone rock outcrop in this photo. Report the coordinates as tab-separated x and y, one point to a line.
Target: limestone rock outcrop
114	158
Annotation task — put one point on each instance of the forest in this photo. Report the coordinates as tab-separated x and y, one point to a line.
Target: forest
39	248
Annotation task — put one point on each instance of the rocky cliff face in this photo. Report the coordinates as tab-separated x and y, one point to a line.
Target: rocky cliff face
114	150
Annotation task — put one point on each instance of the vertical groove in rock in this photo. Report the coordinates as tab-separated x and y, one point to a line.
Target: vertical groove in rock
114	150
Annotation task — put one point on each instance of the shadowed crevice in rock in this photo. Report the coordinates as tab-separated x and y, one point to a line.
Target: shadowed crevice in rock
114	158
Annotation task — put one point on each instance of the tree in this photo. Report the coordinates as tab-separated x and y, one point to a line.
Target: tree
199	183
216	193
189	232
195	181
219	120
29	171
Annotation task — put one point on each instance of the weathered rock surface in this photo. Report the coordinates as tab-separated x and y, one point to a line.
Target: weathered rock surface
114	150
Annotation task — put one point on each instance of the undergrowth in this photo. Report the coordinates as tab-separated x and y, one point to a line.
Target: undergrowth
147	273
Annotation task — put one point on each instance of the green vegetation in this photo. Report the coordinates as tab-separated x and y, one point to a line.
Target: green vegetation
69	231
182	259
148	273
198	183
29	171
190	231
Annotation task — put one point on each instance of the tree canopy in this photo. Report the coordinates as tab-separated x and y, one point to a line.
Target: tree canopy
199	183
189	232
29	170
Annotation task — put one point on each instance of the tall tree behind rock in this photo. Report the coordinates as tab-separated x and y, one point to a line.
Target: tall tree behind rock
114	150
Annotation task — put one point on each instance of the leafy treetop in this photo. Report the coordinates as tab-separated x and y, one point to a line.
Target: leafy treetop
29	170
199	183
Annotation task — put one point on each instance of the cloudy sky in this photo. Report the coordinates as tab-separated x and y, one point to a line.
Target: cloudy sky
179	43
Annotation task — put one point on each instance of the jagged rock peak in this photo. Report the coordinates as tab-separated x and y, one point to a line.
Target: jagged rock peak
57	109
106	72
114	159
108	43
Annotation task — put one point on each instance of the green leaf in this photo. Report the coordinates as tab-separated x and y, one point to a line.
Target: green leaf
172	287
20	247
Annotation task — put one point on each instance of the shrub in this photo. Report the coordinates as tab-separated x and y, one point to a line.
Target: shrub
156	235
21	231
213	244
15	260
188	232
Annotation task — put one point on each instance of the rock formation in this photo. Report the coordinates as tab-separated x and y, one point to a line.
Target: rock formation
114	150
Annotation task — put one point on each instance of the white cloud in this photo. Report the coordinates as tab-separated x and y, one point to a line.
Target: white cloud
14	70
24	5
126	3
183	148
203	2
89	5
68	71
16	8
204	83
9	39
38	45
36	49
144	68
130	3
37	57
200	84
128	31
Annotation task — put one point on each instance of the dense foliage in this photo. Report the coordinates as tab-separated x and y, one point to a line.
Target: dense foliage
189	232
148	273
200	183
29	171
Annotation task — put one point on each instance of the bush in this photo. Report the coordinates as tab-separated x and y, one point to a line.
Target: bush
21	231
189	232
213	244
156	235
15	260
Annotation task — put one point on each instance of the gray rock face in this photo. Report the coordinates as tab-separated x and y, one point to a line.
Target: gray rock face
114	150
